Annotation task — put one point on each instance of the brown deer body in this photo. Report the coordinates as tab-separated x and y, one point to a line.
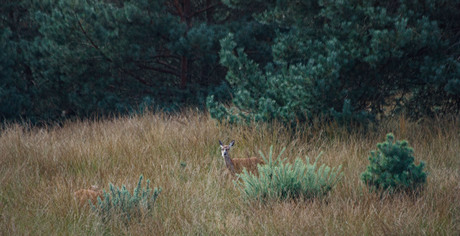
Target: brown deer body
236	165
83	195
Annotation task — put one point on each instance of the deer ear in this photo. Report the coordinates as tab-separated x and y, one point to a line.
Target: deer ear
232	143
220	143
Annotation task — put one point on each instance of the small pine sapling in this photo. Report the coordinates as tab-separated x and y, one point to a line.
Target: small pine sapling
392	167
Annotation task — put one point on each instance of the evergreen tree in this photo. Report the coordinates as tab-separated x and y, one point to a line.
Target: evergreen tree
119	54
392	167
348	60
17	81
98	57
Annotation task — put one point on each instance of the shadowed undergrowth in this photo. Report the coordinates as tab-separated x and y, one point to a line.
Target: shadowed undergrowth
41	168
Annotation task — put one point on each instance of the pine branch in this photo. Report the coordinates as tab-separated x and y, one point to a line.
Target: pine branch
167	65
205	9
179	9
159	70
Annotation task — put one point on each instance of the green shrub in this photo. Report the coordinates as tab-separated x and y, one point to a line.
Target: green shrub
392	167
120	203
279	181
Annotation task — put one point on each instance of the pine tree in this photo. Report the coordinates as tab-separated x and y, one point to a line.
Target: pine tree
17	31
346	59
392	167
99	57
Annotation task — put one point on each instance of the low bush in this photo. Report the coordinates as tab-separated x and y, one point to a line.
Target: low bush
278	180
392	167
119	202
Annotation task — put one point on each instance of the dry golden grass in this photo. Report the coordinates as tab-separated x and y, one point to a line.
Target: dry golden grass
40	169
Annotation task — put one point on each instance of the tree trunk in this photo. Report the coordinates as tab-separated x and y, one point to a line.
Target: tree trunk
186	18
183	72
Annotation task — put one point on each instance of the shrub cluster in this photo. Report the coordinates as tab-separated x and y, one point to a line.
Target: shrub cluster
277	180
391	169
120	203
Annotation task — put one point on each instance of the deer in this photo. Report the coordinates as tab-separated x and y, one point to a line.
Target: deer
236	165
83	195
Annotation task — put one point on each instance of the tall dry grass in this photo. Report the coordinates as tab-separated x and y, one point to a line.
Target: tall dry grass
41	168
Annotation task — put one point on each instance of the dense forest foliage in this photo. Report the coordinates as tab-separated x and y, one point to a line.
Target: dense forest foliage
250	60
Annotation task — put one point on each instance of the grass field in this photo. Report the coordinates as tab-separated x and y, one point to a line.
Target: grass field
41	168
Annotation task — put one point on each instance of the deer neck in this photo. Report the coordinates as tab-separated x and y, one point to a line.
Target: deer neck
229	163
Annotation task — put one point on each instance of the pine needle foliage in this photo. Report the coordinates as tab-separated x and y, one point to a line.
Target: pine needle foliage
392	167
278	180
119	202
348	61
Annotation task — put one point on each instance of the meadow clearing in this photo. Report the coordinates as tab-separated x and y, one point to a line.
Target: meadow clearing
40	168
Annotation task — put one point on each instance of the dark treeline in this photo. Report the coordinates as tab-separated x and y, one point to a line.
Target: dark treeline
242	60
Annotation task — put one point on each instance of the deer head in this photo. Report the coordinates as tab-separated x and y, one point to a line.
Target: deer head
224	149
